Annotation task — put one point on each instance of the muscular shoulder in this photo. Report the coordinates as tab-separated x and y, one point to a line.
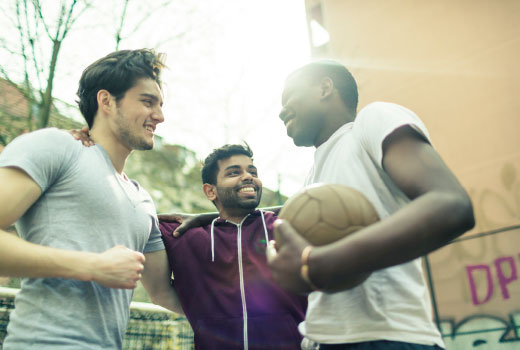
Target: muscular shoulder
50	139
44	154
378	120
384	112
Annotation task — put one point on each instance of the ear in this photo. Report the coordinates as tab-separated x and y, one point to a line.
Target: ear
326	88
105	101
210	191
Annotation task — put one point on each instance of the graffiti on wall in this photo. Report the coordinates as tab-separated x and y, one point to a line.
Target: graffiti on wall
482	333
502	272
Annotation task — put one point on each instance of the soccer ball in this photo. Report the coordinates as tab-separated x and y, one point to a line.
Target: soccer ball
325	213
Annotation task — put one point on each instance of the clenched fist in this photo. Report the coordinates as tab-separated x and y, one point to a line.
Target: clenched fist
117	267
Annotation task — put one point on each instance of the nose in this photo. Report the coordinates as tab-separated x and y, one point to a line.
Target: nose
283	114
158	115
247	176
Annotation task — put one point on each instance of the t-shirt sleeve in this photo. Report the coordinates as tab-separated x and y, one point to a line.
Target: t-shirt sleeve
167	229
378	120
155	241
45	155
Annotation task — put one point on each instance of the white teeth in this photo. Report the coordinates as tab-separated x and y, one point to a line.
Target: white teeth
247	189
149	128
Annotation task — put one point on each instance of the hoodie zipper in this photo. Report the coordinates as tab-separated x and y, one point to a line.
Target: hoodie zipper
241	275
241	272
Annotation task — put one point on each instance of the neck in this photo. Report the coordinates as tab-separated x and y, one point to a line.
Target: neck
117	152
334	122
236	215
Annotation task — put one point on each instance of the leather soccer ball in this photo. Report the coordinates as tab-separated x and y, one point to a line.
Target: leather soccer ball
325	213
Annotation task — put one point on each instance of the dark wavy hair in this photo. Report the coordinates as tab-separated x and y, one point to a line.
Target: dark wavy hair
117	73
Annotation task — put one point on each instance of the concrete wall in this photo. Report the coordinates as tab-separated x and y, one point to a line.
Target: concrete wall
456	63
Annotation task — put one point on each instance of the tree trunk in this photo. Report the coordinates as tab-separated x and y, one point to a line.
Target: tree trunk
45	106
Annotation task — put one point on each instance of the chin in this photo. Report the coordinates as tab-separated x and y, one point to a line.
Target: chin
302	143
144	146
252	204
302	140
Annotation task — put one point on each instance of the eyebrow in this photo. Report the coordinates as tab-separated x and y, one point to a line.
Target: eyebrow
152	96
238	167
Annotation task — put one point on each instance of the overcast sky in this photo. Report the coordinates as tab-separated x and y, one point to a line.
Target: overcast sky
227	63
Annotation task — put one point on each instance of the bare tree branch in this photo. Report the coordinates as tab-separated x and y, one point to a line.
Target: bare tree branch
36	4
146	15
66	26
60	22
22	39
88	4
141	22
121	22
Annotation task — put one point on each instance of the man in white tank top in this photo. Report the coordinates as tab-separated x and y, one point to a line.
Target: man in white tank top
383	151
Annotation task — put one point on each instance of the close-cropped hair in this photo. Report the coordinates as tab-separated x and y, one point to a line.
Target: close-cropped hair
210	166
343	80
117	73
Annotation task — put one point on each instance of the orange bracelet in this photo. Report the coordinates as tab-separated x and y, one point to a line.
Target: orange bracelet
304	271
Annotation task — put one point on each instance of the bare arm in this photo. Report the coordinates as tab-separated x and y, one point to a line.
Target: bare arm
275	209
156	282
118	267
440	211
187	221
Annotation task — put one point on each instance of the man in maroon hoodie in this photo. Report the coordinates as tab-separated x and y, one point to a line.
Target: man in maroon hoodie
220	269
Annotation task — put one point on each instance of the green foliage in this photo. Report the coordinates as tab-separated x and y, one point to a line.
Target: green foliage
171	174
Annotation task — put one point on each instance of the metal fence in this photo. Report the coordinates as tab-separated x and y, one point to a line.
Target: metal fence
150	327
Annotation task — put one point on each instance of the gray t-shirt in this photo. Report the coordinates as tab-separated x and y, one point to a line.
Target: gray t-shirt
85	206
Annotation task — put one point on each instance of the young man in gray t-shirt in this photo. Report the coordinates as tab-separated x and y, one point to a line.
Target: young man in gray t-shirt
83	225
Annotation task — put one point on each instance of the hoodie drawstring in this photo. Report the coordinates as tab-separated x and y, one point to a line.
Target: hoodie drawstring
213	238
265	229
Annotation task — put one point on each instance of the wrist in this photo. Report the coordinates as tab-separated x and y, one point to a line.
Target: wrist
304	270
88	270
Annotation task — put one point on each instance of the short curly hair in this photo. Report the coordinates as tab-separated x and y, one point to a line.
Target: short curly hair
210	165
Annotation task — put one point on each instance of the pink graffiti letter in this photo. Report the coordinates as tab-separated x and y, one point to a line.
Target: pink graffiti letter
503	281
469	270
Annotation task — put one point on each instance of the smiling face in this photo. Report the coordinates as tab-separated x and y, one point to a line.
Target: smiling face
238	189
301	110
138	113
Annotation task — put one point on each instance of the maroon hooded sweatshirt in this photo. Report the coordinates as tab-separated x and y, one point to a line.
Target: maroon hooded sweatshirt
226	289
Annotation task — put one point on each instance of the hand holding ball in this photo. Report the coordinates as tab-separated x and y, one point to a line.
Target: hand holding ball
325	213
